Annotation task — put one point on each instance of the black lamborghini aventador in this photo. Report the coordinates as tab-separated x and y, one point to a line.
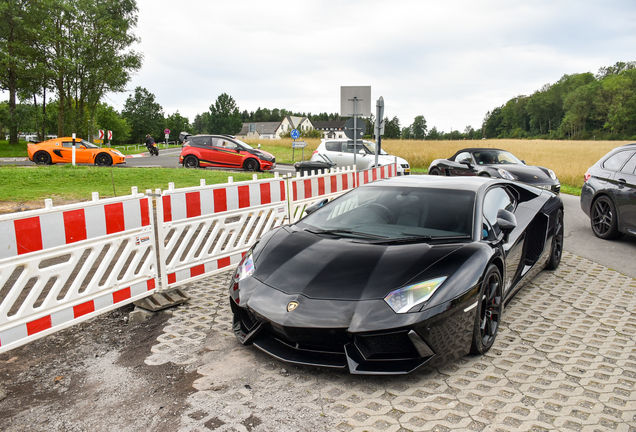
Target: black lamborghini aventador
395	274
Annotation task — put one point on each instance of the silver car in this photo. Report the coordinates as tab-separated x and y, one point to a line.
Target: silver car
341	153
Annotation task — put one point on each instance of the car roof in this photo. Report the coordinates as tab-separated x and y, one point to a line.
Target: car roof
474	184
478	149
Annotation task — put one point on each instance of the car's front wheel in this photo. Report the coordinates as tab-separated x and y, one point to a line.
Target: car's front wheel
489	311
191	162
603	219
42	158
434	171
103	159
251	165
557	244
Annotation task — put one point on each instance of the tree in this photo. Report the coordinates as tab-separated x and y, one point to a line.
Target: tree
419	128
392	128
177	124
143	114
434	134
108	119
225	117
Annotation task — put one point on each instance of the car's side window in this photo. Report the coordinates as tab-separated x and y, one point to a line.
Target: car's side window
67	144
615	162
496	199
464	156
333	146
347	148
630	166
204	140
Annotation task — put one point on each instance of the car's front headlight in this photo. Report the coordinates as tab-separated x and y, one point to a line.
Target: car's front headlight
506	174
404	299
118	153
245	268
552	174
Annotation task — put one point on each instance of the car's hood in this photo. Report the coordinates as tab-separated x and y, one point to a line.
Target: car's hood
527	173
324	267
261	153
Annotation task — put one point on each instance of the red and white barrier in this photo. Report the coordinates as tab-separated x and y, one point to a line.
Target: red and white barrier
203	230
60	266
374	174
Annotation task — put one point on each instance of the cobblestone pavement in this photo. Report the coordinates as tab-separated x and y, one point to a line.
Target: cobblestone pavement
564	359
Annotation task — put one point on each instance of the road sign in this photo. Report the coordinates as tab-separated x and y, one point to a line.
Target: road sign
295	134
349	131
101	134
110	135
299	144
167	131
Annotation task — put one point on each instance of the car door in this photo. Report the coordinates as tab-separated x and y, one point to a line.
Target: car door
344	158
65	153
625	193
227	152
462	169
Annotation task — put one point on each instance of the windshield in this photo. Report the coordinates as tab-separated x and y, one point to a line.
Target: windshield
396	213
371	147
88	145
241	143
488	157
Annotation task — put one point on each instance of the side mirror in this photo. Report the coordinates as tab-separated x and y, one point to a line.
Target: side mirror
465	162
259	145
523	162
361	152
506	221
315	206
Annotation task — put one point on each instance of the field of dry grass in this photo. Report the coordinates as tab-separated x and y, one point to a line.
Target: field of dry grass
568	159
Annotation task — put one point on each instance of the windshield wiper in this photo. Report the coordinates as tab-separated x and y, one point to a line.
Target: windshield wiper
345	231
421	238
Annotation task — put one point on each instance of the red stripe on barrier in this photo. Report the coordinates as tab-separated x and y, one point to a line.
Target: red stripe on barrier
150	284
193	204
39	325
375	174
334	184
283	194
307	185
121	295
172	278
345	182
366	177
224	262
83	309
266	193
28	235
244	196
74	226
198	270
295	190
321	186
220	200
167	208
114	214
145	212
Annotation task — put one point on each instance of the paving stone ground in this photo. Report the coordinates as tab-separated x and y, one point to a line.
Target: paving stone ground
564	360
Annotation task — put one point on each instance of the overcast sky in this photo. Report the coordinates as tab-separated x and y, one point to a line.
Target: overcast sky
450	61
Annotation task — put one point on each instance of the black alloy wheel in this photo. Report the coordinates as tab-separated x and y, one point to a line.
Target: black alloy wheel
556	252
42	158
434	171
103	159
251	165
489	311
603	219
191	162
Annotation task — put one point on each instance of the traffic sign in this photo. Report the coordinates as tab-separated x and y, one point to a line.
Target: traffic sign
167	131
361	128
295	134
110	135
101	134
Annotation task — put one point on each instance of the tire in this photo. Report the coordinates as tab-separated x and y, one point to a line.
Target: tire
251	165
42	158
489	311
484	175
103	159
191	162
154	151
603	218
556	250
434	171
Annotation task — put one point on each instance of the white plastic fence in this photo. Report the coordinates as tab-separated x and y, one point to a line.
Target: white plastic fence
63	265
203	230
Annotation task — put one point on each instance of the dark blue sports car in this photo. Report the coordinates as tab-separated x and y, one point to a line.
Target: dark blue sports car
395	274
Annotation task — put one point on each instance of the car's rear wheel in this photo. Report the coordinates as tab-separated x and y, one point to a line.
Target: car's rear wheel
603	219
42	158
434	171
191	162
251	165
489	311
557	244
103	159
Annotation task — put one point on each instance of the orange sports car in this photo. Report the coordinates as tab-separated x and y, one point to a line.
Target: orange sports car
60	150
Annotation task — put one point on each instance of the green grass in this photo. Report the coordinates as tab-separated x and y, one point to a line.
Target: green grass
66	182
13	150
571	190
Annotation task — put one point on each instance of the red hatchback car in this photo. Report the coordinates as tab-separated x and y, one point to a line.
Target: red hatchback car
224	151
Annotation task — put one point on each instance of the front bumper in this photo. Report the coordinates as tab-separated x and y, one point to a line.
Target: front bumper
329	334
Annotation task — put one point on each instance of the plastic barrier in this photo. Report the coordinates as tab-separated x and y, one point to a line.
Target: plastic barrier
63	265
203	230
373	174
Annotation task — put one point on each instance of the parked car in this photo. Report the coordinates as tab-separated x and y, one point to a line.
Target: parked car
395	273
340	152
224	151
608	195
489	162
60	150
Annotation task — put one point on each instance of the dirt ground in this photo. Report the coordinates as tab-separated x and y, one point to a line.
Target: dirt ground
64	381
